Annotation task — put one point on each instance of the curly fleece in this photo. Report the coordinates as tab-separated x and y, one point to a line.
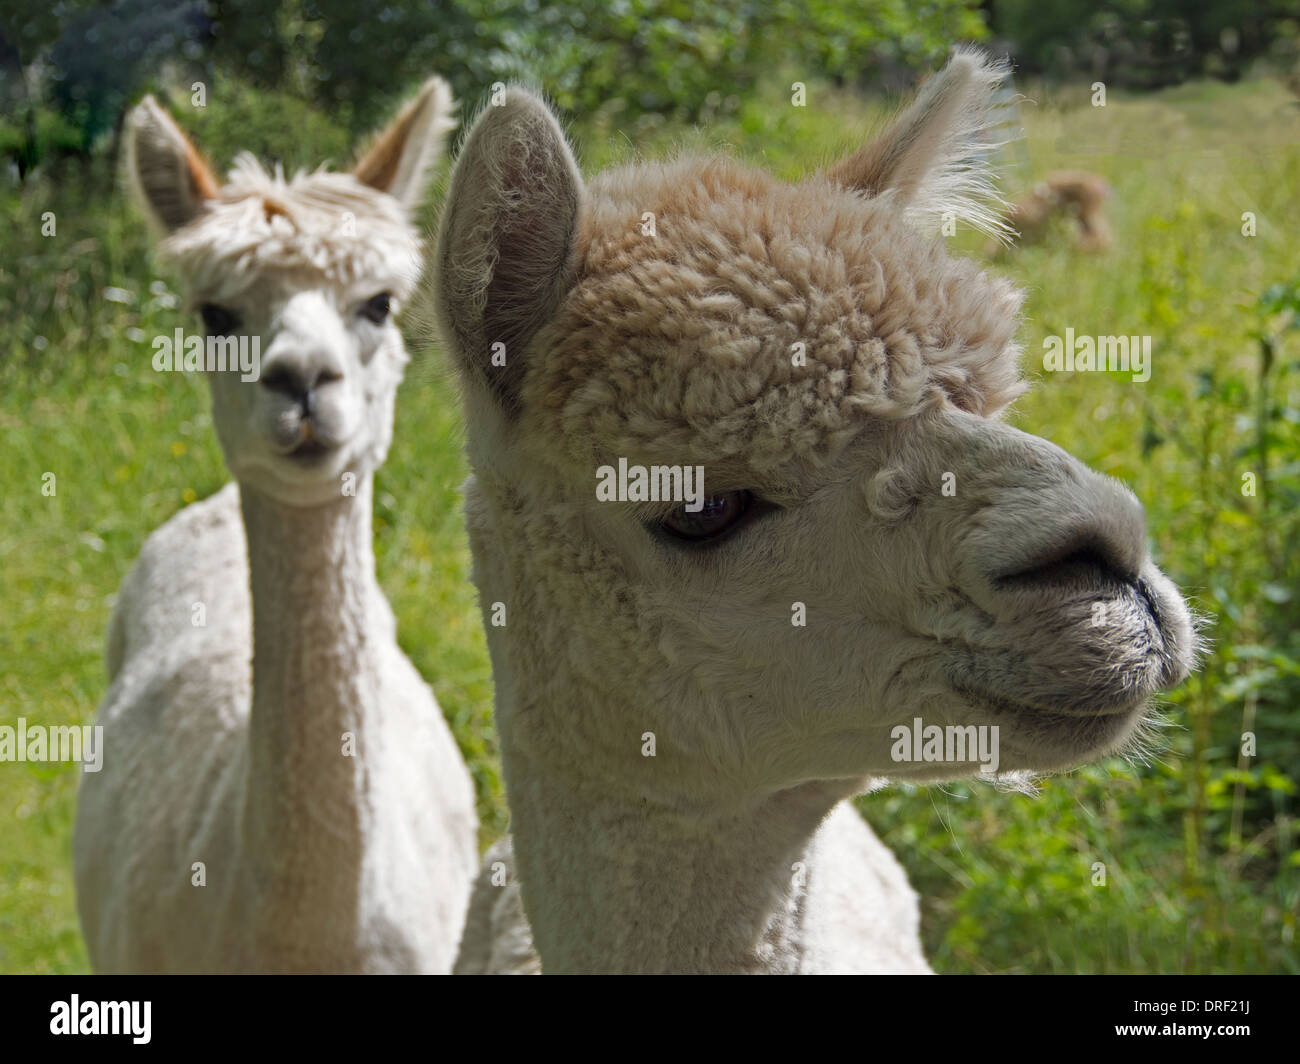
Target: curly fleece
685	344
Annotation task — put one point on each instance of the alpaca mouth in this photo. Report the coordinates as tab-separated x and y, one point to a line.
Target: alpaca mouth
1087	668
310	448
1056	716
1044	740
309	451
1071	680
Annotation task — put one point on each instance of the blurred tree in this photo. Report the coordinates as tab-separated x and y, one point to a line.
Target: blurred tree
107	51
1144	43
640	56
677	59
85	60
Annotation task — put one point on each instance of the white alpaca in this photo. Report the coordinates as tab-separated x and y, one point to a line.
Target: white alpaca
686	696
279	789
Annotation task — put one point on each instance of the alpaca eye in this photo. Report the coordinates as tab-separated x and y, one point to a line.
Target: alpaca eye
218	321
719	514
377	308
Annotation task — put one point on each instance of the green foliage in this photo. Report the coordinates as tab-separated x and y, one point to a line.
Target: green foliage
653	57
238	116
1146	42
36	136
81	62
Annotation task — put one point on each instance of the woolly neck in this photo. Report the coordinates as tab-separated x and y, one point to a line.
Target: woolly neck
616	884
316	680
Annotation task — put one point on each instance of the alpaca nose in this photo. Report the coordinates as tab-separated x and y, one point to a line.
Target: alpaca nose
299	383
1104	543
1082	557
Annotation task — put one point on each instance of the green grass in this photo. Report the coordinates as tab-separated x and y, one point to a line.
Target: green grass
1007	878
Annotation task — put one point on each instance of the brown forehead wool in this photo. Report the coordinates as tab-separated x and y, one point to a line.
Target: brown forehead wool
762	320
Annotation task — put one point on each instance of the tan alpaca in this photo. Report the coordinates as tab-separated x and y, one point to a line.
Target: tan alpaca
687	695
280	791
1074	194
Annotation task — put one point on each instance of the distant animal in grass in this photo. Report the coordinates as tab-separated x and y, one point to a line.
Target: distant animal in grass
1075	195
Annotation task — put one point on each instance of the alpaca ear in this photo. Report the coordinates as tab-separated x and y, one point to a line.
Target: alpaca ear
402	156
504	259
934	157
169	176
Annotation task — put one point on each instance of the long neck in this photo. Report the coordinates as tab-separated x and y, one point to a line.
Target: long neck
617	884
317	683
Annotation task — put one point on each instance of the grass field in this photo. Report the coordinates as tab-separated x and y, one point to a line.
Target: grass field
1201	868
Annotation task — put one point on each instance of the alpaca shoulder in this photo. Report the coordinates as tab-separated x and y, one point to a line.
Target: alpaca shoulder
189	583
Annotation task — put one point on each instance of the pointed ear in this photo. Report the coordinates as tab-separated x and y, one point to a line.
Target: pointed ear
401	157
169	176
504	260
934	157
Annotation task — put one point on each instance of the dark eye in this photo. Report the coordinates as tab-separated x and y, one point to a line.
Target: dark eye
218	320
719	514
377	308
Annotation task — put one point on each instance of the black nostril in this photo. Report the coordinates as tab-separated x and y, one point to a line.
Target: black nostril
286	381
296	386
1084	561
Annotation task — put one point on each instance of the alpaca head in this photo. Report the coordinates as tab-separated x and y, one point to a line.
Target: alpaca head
874	545
309	272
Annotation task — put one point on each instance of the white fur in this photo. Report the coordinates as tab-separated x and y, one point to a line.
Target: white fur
280	791
731	849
